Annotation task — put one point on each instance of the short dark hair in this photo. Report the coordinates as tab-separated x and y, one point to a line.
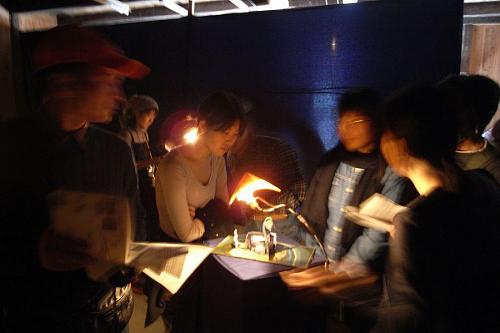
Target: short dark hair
364	100
418	114
472	99
220	110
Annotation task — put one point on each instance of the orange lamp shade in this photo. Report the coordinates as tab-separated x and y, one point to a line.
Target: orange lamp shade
249	184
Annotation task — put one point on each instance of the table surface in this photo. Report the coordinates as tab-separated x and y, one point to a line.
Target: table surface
246	269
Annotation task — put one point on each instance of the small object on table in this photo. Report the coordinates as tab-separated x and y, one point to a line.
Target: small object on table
235	239
256	241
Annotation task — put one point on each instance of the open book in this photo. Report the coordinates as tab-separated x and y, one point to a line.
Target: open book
105	223
376	212
169	264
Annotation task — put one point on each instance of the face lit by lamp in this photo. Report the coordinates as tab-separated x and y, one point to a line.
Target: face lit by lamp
249	184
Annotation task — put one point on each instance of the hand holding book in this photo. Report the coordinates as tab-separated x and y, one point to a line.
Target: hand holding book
376	212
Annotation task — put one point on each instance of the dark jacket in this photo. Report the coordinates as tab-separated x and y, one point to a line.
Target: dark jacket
38	159
442	274
315	206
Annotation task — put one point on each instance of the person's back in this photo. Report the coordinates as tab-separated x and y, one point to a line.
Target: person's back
447	275
440	276
473	101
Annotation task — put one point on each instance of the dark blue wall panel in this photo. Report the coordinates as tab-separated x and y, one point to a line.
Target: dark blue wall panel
283	61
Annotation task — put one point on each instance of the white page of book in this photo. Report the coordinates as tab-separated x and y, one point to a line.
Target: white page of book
380	207
172	264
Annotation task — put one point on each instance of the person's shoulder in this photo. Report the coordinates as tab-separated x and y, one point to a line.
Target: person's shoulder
174	156
327	166
481	182
391	177
106	135
332	156
492	149
219	160
492	154
174	162
433	202
108	139
126	135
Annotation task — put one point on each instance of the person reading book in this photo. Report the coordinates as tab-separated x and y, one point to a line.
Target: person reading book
348	174
429	287
46	288
192	197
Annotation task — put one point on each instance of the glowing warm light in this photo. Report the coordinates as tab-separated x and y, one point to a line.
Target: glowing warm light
247	186
191	136
168	147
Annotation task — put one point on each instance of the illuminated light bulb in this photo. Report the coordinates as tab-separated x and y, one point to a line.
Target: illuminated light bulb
247	186
191	136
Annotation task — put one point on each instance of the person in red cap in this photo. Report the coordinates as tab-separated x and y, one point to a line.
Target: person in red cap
79	74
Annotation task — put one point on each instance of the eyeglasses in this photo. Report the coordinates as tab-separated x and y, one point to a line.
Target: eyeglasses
353	123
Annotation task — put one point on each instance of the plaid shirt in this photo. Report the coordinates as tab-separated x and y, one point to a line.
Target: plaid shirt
274	161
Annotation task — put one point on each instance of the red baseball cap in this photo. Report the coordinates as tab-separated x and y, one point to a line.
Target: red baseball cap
73	44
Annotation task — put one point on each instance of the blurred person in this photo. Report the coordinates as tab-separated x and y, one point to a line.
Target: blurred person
429	287
275	161
348	174
80	76
142	111
192	199
474	100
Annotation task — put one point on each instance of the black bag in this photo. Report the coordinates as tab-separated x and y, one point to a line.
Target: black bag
116	318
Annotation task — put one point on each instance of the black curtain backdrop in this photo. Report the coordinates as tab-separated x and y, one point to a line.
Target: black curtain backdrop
292	65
